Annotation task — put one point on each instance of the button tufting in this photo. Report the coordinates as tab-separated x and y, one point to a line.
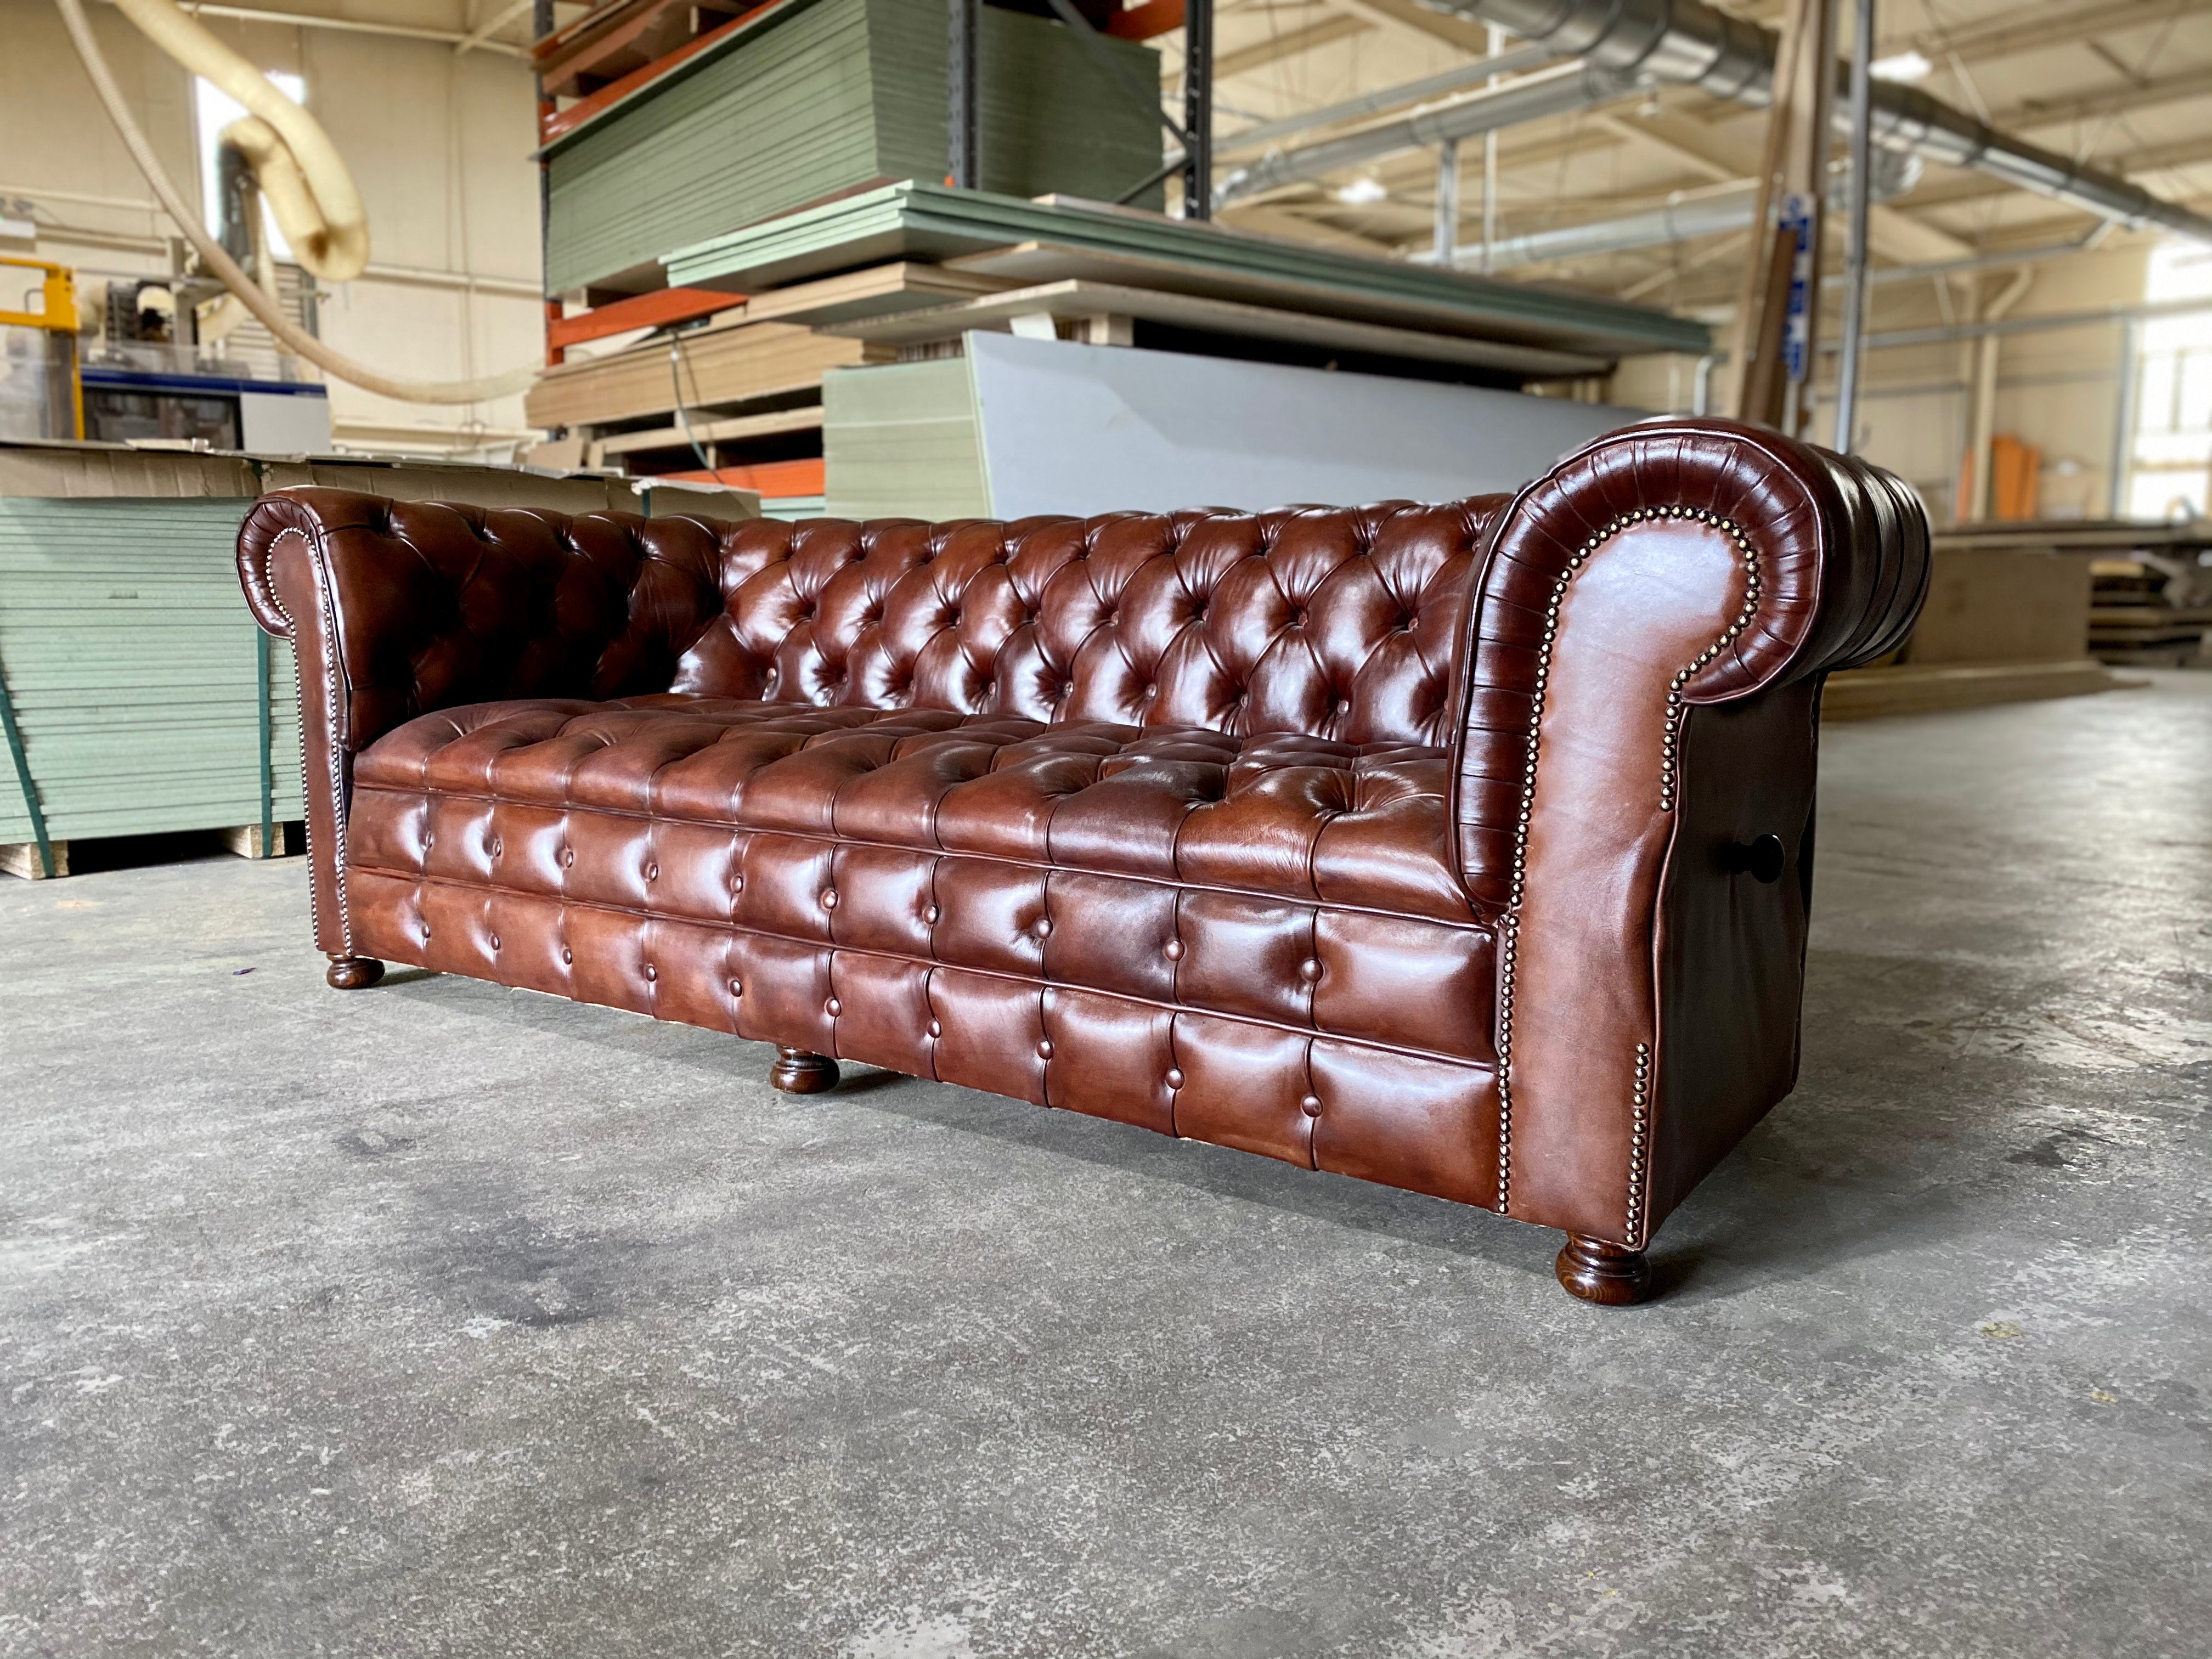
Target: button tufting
651	972
653	873
567	954
1044	927
1174	952
828	898
1310	970
737	988
835	1007
1311	1106
567	857
935	1030
1044	1049
495	941
930	916
1175	1077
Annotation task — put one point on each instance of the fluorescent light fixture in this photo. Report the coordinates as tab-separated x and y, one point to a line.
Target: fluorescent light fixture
1360	192
1907	66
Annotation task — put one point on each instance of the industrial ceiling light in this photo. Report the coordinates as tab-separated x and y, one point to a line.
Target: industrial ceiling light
1362	191
1905	67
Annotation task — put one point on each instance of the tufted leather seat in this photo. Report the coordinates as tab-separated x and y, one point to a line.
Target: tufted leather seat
1353	837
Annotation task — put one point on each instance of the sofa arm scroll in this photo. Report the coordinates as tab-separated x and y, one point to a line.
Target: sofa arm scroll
1650	632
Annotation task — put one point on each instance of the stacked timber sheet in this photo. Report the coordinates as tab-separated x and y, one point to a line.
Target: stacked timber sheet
138	680
1058	240
728	362
806	99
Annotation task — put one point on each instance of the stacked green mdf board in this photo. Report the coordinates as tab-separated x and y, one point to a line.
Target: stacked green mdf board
136	670
822	96
900	441
915	219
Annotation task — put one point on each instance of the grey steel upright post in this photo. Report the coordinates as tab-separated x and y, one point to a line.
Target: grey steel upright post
1446	236
963	99
1198	109
1855	268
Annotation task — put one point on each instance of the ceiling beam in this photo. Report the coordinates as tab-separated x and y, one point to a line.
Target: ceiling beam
2001	36
1333	27
1411	17
2113	100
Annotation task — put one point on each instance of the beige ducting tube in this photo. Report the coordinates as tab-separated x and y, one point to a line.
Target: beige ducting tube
309	185
298	169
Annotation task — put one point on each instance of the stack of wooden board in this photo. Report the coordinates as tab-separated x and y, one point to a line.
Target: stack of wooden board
806	99
2150	609
138	680
1057	240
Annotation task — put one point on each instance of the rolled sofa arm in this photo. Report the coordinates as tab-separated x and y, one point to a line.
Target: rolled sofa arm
396	609
1633	791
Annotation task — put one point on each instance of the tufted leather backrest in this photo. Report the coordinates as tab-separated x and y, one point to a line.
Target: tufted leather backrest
1333	622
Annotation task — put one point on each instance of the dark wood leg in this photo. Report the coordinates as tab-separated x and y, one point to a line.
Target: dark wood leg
1611	1274
799	1073
354	973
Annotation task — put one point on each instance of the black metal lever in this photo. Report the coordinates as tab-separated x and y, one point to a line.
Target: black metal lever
1761	859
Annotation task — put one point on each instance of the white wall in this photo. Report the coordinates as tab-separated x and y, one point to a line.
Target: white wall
440	144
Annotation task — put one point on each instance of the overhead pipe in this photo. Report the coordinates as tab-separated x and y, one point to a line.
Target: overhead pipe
1686	43
1553	91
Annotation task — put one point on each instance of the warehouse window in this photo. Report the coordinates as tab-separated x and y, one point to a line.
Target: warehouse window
214	109
2172	455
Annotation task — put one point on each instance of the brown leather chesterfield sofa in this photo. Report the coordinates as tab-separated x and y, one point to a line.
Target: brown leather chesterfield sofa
1463	847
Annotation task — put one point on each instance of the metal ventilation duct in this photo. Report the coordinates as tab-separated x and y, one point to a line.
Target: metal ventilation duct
1690	44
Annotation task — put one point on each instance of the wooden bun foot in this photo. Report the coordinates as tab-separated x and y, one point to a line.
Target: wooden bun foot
799	1072
354	973
1612	1275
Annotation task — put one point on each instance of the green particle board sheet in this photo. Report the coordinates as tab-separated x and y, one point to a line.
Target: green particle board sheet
900	440
915	219
821	96
132	662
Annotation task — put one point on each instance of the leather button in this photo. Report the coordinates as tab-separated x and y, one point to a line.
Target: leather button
737	883
835	1007
495	941
567	857
653	873
1044	927
1044	1049
1175	1077
1174	950
935	1030
1311	1106
498	846
828	898
651	972
567	954
1310	970
737	988
930	916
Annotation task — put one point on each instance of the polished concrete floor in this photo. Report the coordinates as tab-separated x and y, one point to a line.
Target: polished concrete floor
442	1320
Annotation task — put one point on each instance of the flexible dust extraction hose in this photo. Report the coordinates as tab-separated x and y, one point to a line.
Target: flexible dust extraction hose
298	169
218	260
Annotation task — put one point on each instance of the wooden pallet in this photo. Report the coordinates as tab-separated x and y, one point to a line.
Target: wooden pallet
1922	689
21	858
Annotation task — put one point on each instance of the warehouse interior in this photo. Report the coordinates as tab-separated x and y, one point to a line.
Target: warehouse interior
358	1299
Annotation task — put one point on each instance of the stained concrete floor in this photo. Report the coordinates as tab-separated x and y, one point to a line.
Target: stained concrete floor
442	1320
